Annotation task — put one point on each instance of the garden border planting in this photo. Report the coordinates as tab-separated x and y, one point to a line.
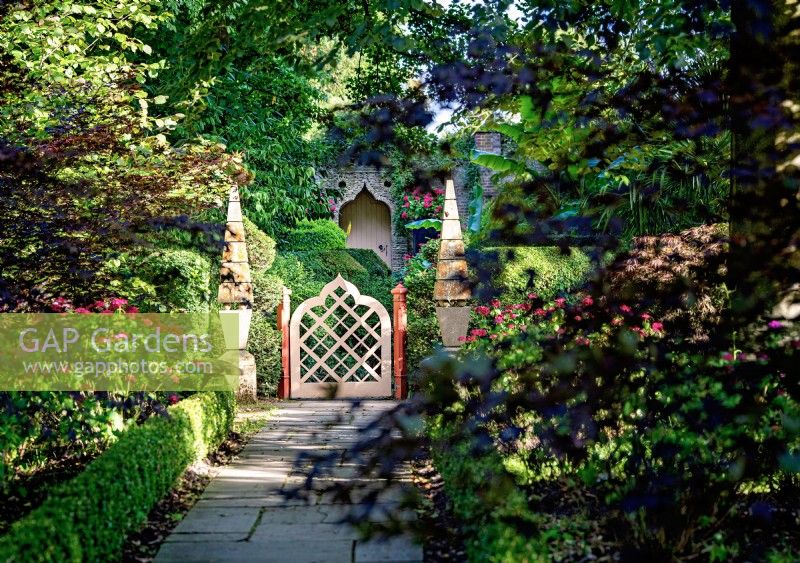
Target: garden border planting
89	517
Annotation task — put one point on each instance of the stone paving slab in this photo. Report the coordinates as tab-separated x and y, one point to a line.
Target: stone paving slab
243	515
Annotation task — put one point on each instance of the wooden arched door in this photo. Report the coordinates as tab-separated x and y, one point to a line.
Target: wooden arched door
368	224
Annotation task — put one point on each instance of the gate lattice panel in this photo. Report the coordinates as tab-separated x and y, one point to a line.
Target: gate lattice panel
340	340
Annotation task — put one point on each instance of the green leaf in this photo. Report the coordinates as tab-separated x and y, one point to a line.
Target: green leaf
514	131
526	109
498	163
425	224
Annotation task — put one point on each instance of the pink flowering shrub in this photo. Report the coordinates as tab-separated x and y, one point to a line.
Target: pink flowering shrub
518	327
106	306
419	204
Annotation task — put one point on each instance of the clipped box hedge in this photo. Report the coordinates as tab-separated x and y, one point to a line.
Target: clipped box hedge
89	517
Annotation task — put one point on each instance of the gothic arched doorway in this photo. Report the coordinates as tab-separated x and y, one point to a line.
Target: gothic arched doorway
368	224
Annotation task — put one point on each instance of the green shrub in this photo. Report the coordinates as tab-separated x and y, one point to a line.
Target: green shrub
321	234
89	517
266	291
260	247
203	232
423	327
306	273
491	517
542	270
423	337
265	345
180	279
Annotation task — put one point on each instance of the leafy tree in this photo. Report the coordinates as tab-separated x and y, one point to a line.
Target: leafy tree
87	169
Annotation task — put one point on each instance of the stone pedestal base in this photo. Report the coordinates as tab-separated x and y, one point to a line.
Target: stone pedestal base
453	323
247	378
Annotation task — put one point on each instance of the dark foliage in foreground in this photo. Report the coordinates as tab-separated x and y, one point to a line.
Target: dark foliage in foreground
673	434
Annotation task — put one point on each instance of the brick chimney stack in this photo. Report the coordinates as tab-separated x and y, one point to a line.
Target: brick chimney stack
491	142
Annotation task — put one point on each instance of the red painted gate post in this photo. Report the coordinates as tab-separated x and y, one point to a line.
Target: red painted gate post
284	313
400	323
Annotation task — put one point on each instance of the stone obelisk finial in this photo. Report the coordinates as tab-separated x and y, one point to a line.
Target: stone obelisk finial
451	292
236	296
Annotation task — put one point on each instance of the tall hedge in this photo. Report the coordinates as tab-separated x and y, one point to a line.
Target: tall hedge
260	246
539	269
321	234
89	517
307	272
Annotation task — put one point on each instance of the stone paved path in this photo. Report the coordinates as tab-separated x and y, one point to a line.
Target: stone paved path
242	516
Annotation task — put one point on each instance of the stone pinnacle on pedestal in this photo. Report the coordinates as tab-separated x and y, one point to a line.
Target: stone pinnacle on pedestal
451	292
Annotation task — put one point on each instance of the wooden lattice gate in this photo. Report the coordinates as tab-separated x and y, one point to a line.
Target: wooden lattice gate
340	345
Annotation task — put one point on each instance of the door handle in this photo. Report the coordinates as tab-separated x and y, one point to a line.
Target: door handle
381	248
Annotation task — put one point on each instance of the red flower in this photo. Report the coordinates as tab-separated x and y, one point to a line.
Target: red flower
539	312
645	316
438	209
532	296
495	302
560	302
479	332
588	301
404	215
498	319
82	310
578	318
482	310
658	327
625	309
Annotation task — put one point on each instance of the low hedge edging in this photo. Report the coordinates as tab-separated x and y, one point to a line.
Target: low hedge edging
89	517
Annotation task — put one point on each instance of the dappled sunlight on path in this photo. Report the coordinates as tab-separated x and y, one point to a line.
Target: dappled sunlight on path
245	515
